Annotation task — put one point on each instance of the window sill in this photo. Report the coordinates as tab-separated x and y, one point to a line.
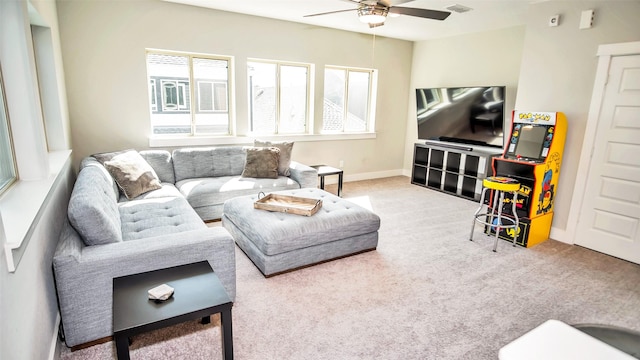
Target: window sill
20	207
173	141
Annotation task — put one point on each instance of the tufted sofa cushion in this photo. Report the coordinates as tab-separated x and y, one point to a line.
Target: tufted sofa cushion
208	162
155	217
93	208
162	163
203	192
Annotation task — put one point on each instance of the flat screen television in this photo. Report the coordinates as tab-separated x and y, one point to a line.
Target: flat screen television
463	115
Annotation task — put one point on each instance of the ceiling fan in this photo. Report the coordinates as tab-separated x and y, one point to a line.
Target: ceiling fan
374	12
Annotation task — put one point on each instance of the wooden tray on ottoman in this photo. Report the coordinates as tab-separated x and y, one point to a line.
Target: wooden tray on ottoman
288	204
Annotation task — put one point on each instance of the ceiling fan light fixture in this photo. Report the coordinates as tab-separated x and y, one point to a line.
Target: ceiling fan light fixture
372	14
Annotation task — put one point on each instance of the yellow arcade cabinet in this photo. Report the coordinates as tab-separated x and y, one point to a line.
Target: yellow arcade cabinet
533	156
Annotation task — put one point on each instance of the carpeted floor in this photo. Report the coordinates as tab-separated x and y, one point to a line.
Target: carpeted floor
427	292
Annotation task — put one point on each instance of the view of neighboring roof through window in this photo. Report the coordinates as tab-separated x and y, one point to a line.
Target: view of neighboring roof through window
347	101
279	95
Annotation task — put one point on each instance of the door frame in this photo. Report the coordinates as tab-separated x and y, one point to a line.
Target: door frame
605	54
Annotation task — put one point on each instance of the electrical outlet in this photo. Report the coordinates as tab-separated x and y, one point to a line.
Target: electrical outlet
554	20
341	164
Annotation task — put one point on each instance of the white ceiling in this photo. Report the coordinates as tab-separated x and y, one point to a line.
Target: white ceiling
486	15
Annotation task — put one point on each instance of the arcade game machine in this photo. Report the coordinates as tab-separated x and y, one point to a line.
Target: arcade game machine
533	156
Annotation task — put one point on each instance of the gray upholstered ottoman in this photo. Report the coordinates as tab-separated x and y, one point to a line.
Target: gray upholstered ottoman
278	242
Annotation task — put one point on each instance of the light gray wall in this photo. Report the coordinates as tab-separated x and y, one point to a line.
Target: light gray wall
487	58
558	70
545	69
103	46
28	306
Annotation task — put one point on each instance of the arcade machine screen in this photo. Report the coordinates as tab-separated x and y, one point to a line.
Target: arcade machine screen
530	142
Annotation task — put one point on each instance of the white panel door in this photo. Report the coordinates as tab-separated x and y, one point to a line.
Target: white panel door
609	219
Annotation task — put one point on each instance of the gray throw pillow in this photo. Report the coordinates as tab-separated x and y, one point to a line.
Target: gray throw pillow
131	171
92	210
285	153
261	162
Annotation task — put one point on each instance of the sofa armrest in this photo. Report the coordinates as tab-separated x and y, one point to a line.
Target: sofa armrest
84	275
305	175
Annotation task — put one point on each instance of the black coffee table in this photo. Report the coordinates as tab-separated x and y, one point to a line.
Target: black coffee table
198	294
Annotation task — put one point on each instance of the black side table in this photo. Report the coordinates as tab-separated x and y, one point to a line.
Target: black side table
198	293
324	170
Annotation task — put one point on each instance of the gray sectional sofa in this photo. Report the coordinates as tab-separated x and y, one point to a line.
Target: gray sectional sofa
109	234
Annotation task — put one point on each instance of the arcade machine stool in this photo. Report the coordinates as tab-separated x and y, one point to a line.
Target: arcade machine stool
500	185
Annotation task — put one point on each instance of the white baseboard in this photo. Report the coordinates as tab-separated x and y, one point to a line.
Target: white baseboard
560	235
373	175
333	179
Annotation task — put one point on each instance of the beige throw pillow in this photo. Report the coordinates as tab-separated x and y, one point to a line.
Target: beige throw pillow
285	154
261	162
131	171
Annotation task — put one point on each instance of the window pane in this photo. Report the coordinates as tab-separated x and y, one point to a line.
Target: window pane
167	71
358	97
205	96
432	98
347	96
456	92
169	96
183	95
262	94
293	99
7	166
334	94
220	96
211	119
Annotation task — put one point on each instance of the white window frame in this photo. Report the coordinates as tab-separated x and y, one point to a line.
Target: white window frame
371	99
182	105
308	124
192	106
7	158
152	94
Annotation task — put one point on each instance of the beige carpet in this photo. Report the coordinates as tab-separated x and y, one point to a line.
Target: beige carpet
427	292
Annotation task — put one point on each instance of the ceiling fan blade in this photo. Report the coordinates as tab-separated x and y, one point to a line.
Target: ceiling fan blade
391	3
423	13
330	12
